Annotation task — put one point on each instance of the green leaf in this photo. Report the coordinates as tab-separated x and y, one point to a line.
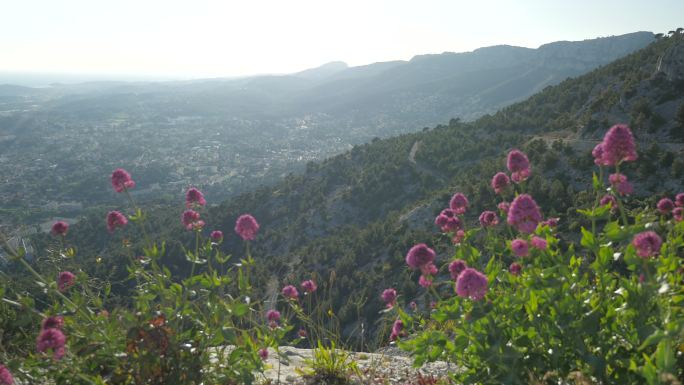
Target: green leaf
665	359
652	339
588	239
240	309
598	186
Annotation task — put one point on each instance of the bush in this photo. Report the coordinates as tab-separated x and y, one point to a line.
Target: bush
605	308
204	329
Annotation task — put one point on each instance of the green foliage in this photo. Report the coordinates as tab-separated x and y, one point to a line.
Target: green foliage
330	365
591	310
205	328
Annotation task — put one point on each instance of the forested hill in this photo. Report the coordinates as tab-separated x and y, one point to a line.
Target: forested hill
358	213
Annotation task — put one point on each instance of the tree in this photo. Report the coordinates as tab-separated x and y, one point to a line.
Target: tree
680	115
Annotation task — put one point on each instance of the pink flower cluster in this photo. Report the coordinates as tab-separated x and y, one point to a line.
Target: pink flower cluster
524	214
290	292
246	227
309	286
676	208
499	182
5	376
489	219
194	197
422	257
471	284
59	228
273	318
65	280
518	165
121	180
52	338
191	220
647	244
459	203
115	219
397	330
389	297
456	268
448	221
621	184
617	147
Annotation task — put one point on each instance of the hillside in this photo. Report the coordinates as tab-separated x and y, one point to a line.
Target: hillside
355	215
247	132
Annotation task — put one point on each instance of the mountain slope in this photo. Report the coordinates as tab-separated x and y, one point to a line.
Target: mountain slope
354	216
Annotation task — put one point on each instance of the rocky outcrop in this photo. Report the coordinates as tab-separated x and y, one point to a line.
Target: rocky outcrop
672	63
390	366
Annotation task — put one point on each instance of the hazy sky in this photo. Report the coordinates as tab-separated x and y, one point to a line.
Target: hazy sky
201	38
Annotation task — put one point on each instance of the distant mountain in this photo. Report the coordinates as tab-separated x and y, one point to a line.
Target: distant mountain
324	71
247	132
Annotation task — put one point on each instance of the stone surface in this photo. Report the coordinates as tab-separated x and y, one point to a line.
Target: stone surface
390	366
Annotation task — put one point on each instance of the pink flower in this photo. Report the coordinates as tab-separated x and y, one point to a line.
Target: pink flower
518	165
5	376
65	280
679	200
456	268
515	268
448	221
397	330
302	333
216	236
471	284
429	269
115	219
489	219
53	322
520	176
597	152
609	199
191	220
647	244
51	339
290	292
499	182
246	227
678	213
60	228
309	286
620	183
413	305
273	315
517	161
538	243
194	197
504	207
425	281
419	256
458	237
551	222
665	205
458	203
389	297
121	180
524	214
520	247
263	354
618	145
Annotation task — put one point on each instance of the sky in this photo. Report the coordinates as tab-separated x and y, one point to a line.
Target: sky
203	38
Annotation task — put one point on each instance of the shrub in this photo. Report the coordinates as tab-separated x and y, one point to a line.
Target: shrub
604	309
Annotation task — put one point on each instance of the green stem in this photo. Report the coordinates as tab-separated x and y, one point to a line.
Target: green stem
142	223
623	215
40	278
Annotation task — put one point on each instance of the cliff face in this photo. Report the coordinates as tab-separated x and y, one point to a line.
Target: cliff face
672	63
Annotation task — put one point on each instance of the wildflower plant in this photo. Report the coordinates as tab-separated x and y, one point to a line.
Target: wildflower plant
204	328
523	305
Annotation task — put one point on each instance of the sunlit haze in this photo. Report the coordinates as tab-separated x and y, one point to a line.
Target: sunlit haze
229	38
